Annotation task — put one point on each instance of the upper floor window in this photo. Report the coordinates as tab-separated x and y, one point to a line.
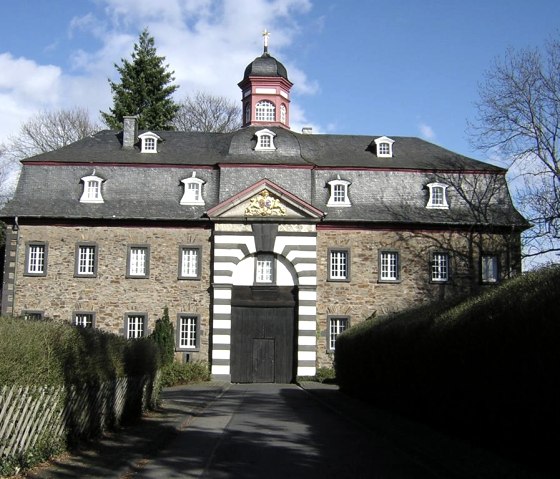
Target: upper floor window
337	325
339	265
440	267
189	262
36	259
86	260
148	142
92	189
389	266
438	196
264	268
265	140
248	113
193	191
265	111
339	193
138	262
384	147
489	268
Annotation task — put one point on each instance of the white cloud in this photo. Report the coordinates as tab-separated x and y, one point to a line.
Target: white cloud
426	131
208	43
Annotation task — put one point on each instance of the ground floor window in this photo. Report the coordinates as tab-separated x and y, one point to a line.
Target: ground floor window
337	324
84	320
188	331
440	267
135	325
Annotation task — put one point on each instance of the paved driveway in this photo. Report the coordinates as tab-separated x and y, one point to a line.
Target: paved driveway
218	430
278	431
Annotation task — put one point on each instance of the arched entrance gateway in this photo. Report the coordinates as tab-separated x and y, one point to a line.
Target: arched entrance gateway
264	286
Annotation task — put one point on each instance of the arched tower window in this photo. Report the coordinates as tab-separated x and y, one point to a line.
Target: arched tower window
248	113
283	113
265	111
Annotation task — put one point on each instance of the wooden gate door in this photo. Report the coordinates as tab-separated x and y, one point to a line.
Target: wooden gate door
262	339
263	360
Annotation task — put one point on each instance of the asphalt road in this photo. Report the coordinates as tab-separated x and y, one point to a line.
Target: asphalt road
268	431
278	431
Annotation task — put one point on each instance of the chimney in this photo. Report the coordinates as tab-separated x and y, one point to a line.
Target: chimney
130	131
307	130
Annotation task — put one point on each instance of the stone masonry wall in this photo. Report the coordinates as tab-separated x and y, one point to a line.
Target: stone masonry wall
110	295
364	295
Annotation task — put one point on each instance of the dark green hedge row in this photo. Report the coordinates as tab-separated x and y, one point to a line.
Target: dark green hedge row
56	353
487	367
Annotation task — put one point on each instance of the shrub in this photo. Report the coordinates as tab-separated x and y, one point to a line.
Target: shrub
175	374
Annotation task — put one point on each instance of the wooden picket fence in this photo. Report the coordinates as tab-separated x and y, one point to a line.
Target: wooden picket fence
29	414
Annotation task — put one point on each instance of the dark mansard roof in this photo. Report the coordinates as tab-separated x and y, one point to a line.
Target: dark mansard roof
147	186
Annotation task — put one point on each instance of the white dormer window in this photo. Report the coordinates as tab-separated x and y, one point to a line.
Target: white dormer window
384	147
265	140
339	193
92	189
193	191
438	196
148	142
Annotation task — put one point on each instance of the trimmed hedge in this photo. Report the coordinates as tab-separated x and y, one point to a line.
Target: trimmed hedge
487	367
56	353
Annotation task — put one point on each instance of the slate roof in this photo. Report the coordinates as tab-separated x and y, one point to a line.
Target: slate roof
322	151
145	186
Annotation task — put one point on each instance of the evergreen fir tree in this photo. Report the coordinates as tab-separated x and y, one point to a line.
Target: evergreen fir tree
145	89
164	337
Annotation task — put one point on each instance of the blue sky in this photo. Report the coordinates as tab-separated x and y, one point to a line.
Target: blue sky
395	68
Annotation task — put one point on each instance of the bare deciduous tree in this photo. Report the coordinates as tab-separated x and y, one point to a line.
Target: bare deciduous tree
210	113
50	130
519	118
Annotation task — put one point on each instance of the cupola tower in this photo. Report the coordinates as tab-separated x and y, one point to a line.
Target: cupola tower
266	91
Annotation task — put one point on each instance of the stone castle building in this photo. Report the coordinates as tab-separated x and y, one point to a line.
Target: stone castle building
264	243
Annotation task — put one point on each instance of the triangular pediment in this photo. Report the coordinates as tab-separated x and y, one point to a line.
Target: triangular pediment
265	200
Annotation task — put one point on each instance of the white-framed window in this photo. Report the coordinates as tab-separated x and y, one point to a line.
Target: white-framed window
339	265
337	324
148	142
36	259
440	267
188	331
138	261
84	320
265	111
265	140
438	196
135	325
283	113
86	260
92	189
189	262
389	266
384	147
33	315
339	193
489	268
192	194
264	268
